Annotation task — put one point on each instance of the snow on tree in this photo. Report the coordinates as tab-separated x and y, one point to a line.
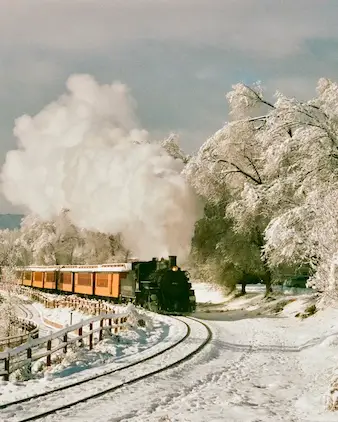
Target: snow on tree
51	242
9	247
222	255
9	300
99	248
172	147
230	164
117	249
60	242
9	257
304	162
308	234
278	162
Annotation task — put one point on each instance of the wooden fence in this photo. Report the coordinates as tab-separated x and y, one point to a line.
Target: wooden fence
28	330
44	347
83	305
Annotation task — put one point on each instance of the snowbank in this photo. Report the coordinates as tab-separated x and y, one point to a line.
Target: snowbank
208	293
60	316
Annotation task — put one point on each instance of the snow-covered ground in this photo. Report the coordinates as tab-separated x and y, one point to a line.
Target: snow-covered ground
62	316
264	364
130	345
213	294
208	293
259	367
197	335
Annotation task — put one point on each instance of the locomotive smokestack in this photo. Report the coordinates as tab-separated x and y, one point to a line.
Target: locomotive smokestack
172	261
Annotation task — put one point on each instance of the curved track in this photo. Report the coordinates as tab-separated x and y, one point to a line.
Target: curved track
94	377
113	380
27	314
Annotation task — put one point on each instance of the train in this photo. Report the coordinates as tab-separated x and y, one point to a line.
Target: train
158	285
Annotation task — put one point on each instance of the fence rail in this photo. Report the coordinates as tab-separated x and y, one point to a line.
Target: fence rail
44	347
84	305
29	330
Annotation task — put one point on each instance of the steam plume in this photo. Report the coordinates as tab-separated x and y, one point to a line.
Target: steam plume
85	153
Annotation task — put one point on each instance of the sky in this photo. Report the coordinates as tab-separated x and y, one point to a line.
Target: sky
178	57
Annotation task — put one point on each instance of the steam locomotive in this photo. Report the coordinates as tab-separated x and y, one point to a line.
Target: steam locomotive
157	285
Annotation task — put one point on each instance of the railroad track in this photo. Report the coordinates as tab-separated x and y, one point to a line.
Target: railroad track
197	336
44	330
25	312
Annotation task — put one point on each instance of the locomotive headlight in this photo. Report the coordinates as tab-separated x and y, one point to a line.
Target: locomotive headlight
175	268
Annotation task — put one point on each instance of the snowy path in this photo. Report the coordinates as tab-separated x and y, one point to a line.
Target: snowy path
193	341
269	378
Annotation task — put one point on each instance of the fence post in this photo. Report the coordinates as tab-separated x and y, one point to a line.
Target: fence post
29	357
65	340
90	336
80	334
6	376
116	321
110	324
49	347
101	330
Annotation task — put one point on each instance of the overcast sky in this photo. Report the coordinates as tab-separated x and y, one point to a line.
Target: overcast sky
179	57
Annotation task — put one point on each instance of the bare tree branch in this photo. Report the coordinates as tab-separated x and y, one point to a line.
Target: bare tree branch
259	97
249	176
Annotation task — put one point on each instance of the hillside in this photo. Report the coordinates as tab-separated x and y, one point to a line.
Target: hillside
10	221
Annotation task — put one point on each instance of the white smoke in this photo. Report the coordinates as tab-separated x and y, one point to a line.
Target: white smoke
85	153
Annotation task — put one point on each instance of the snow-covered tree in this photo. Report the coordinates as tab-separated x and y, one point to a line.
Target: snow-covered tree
222	255
60	242
278	162
9	247
50	242
10	256
99	248
230	164
172	146
304	165
9	300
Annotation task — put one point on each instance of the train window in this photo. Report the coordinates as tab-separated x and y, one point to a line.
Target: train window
66	278
38	276
50	277
28	275
84	279
102	280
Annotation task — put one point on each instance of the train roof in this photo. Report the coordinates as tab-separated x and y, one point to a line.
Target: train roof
104	268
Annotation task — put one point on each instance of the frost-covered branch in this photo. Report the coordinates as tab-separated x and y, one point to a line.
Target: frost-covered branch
239	170
280	176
